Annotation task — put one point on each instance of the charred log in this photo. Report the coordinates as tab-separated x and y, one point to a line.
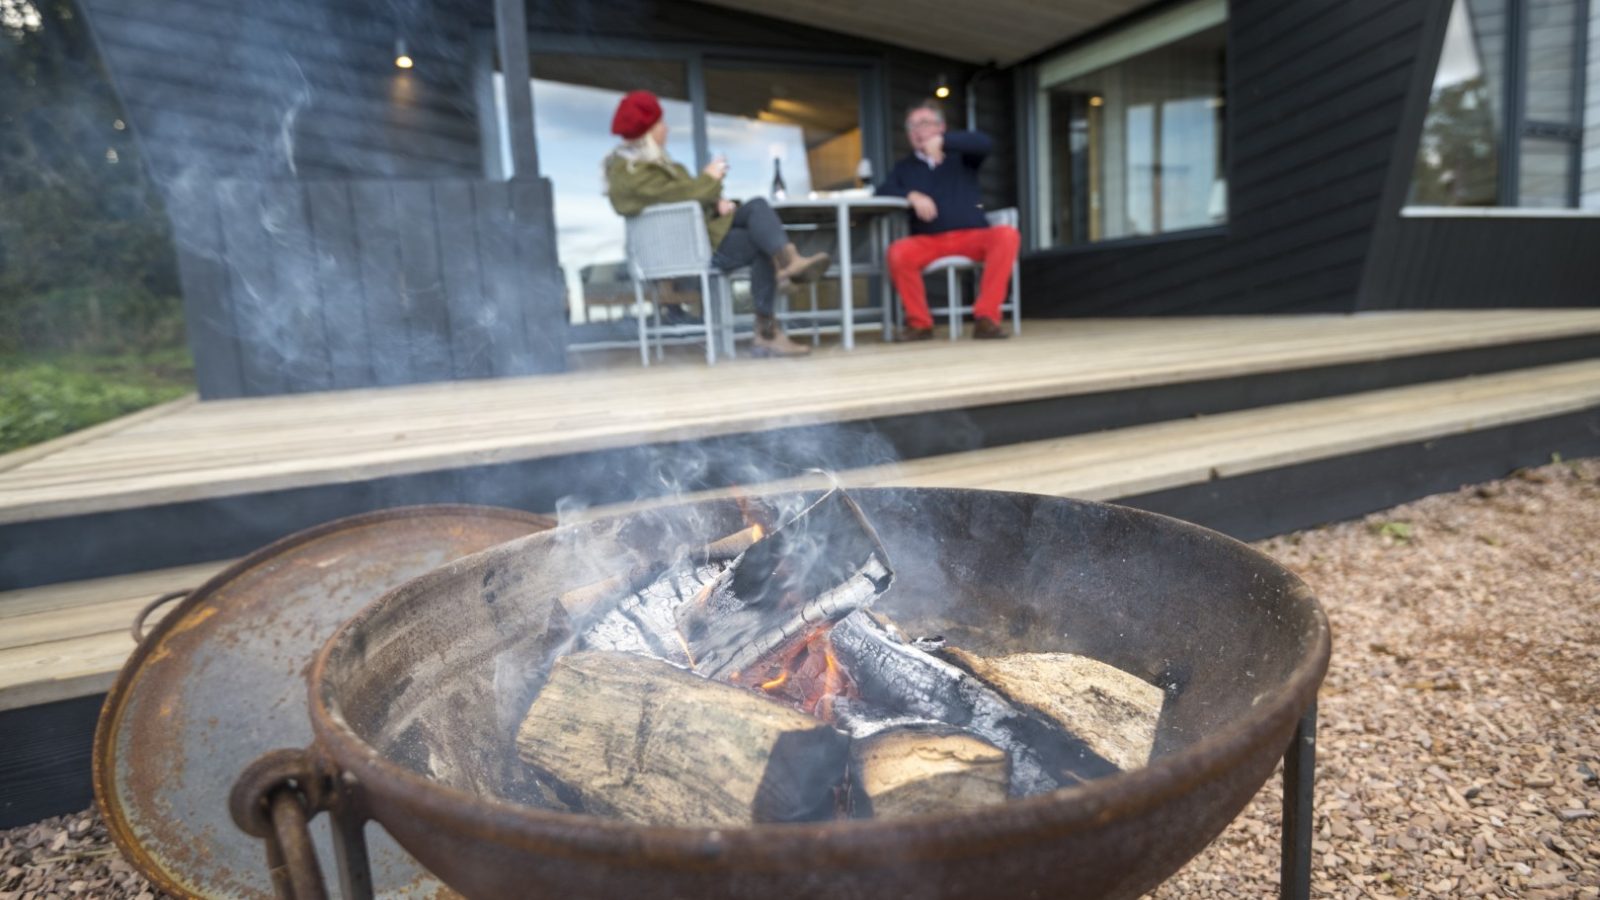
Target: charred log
814	570
900	683
640	739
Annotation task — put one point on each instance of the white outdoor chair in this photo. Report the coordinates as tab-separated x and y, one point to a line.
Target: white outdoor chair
953	265
670	241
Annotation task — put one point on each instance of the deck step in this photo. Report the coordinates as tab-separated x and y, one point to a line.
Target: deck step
68	640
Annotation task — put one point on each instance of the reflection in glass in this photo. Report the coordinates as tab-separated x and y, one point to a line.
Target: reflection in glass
1458	160
1136	148
574	98
1552	60
808	121
1545	175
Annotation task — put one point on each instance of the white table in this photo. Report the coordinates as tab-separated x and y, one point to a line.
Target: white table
879	213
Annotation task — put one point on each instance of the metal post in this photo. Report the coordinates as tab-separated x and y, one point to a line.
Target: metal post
1299	788
511	39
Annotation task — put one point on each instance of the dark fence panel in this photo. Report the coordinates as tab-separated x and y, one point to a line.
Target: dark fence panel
318	285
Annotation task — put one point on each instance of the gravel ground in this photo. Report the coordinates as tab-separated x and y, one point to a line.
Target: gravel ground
1459	741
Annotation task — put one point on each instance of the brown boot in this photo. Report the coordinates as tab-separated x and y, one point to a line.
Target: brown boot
989	330
792	266
770	341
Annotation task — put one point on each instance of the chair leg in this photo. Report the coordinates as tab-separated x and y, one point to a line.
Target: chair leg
816	326
1016	298
953	296
639	314
705	318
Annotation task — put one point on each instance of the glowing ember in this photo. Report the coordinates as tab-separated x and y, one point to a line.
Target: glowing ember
806	676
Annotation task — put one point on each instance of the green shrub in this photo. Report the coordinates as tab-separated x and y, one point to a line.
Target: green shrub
45	398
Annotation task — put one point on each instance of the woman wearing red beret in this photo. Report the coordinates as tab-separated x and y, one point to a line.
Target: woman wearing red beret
639	174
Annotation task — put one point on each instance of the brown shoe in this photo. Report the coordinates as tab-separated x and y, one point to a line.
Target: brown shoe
989	330
770	341
909	334
803	269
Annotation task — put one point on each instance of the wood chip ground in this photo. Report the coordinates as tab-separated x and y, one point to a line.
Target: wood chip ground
1459	748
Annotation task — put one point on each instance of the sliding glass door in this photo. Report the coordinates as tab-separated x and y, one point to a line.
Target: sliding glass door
813	120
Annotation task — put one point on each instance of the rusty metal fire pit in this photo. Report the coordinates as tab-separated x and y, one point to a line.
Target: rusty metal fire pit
415	700
222	677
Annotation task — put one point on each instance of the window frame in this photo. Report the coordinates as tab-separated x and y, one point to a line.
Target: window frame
1516	126
1033	105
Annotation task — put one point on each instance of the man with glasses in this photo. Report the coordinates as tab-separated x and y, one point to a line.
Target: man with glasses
940	180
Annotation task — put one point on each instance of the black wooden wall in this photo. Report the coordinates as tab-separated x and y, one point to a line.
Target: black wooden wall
1316	92
1326	99
331	221
294	88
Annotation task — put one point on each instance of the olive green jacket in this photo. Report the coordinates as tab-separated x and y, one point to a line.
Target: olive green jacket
649	183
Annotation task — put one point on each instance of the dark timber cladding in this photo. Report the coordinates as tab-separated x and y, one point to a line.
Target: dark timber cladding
1316	92
330	228
293	88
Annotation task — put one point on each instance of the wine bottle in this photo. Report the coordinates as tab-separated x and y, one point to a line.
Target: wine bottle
779	192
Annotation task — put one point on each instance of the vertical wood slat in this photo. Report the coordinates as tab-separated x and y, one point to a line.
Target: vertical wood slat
203	275
508	346
318	285
339	285
296	302
251	287
428	320
542	291
388	331
470	331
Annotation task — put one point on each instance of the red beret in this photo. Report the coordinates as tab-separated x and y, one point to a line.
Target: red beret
637	112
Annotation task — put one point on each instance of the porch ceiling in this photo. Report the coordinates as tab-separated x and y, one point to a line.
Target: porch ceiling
975	31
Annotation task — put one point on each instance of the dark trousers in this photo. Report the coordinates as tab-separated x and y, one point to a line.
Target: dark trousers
756	237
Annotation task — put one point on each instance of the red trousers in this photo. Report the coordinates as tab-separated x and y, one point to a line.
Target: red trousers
994	247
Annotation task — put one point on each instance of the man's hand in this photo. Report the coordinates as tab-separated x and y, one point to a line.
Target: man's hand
725	207
717	168
923	206
933	147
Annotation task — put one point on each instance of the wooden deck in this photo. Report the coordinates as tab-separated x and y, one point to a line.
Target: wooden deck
68	640
192	451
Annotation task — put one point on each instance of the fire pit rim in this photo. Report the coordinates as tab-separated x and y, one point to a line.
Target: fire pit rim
101	760
865	841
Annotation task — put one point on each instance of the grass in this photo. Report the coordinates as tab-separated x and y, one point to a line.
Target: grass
43	396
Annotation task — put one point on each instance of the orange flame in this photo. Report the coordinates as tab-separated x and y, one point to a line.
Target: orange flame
774	684
757	532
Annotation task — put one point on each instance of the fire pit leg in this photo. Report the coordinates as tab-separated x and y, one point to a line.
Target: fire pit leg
350	852
1299	787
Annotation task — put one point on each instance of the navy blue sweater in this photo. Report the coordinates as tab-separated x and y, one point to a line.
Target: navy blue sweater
953	184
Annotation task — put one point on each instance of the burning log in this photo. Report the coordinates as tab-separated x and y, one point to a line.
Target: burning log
637	738
910	771
899	683
720	615
1115	713
815	569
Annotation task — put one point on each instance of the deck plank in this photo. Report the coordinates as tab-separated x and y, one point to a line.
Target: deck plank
64	641
225	448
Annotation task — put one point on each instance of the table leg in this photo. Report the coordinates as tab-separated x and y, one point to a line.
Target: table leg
847	321
886	284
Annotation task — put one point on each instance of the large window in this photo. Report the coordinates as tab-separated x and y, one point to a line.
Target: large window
1514	117
1132	130
764	117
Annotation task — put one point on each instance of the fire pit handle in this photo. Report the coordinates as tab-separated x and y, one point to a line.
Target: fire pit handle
152	606
275	799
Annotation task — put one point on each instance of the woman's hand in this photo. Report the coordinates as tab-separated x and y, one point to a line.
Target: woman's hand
717	168
726	207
